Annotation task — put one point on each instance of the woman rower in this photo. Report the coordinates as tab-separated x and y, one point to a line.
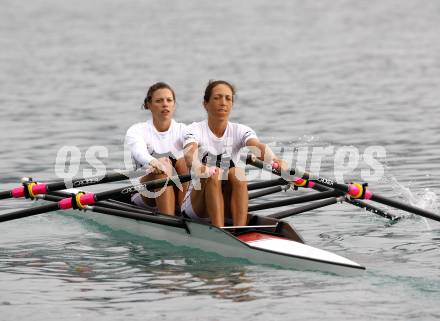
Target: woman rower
157	146
211	149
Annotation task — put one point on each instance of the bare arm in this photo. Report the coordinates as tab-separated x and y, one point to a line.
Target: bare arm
191	153
264	153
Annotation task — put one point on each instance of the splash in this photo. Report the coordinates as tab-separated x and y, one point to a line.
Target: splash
426	199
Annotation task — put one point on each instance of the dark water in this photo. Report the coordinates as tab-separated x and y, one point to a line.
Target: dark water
339	73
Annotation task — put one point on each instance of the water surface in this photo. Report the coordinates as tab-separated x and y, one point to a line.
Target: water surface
319	73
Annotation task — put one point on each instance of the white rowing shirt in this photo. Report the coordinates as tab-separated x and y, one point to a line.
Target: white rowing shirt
226	147
146	142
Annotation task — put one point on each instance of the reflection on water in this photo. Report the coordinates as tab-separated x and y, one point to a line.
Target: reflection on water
137	267
311	73
94	268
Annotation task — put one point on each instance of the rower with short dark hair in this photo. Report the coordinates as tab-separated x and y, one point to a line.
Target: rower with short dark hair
211	151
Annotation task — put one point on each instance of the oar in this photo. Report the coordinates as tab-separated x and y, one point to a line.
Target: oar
354	190
280	187
31	188
316	205
264	184
307	208
268	191
308	184
81	200
108	208
361	204
294	200
123	210
58	196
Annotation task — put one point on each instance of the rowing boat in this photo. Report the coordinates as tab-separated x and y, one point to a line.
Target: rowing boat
265	240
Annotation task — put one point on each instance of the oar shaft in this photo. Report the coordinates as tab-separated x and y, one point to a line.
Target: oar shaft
264	184
361	204
306	208
162	219
322	184
90	198
354	190
42	188
29	212
405	207
293	200
373	209
266	191
79	182
151	185
120	206
5	195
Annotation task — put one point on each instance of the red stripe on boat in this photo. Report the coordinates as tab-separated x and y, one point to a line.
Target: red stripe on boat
255	236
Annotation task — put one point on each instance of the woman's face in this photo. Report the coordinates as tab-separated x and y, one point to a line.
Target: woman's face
220	103
162	105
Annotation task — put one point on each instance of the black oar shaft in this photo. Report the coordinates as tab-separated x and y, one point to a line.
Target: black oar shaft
386	201
149	185
266	191
87	181
29	212
324	183
405	207
97	197
162	219
305	208
43	188
361	204
264	184
56	197
293	200
5	194
373	209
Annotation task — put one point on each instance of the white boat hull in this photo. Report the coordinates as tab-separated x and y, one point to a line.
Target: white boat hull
262	248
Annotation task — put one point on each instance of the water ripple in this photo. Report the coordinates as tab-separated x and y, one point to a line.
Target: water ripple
76	73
